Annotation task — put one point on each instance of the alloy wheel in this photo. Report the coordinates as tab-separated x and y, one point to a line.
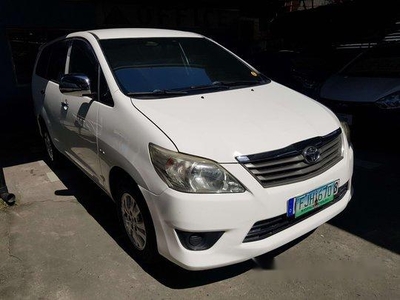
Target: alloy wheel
133	221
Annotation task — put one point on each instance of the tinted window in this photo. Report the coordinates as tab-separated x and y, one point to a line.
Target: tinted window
381	61
43	62
83	61
58	56
153	64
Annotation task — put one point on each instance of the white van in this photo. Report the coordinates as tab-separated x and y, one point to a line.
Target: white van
209	162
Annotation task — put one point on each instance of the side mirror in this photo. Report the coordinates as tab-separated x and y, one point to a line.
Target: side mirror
75	85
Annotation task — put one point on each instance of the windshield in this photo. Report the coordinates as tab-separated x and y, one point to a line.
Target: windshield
380	61
170	67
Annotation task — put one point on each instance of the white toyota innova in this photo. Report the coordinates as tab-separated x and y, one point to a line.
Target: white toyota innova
209	162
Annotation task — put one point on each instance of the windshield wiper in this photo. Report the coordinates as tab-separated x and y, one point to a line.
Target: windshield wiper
157	93
214	85
237	83
224	85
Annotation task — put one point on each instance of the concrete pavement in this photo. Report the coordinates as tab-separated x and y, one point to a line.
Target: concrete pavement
61	241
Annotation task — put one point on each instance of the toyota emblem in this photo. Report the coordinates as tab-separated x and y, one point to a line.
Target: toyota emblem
311	154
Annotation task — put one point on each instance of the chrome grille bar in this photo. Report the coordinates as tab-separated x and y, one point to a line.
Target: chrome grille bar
288	165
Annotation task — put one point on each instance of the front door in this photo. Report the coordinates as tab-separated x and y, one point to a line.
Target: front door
49	69
80	114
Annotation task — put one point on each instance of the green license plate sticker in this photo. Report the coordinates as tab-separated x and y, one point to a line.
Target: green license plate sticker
307	202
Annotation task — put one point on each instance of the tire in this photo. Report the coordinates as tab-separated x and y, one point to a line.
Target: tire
137	224
53	156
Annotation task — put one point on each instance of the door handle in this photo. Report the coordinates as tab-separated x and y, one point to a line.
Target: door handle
64	105
42	92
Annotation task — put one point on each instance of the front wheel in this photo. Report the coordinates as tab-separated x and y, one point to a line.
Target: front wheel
136	220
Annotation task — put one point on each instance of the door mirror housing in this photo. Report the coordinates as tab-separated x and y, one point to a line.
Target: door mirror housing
75	85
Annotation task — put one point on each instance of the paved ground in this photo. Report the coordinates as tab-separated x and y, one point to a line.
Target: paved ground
60	241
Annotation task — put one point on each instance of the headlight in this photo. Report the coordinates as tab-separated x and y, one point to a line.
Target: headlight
391	101
192	174
346	130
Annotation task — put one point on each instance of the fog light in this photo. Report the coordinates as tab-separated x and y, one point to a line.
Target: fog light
197	241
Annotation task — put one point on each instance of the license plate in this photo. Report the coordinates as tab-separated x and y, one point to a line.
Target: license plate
345	117
300	205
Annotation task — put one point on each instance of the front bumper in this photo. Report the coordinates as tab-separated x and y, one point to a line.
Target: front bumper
236	214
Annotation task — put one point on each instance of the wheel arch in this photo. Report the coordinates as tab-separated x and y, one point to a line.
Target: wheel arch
118	175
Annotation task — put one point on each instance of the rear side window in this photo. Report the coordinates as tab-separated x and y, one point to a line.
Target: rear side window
43	62
57	61
51	64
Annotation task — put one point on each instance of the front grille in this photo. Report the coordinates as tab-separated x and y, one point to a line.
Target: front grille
266	228
288	165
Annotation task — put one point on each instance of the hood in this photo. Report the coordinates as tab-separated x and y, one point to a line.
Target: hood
358	89
223	125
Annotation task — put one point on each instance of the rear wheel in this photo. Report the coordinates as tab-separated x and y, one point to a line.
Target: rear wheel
136	220
54	157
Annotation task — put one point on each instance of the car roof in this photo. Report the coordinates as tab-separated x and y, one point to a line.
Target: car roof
117	33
